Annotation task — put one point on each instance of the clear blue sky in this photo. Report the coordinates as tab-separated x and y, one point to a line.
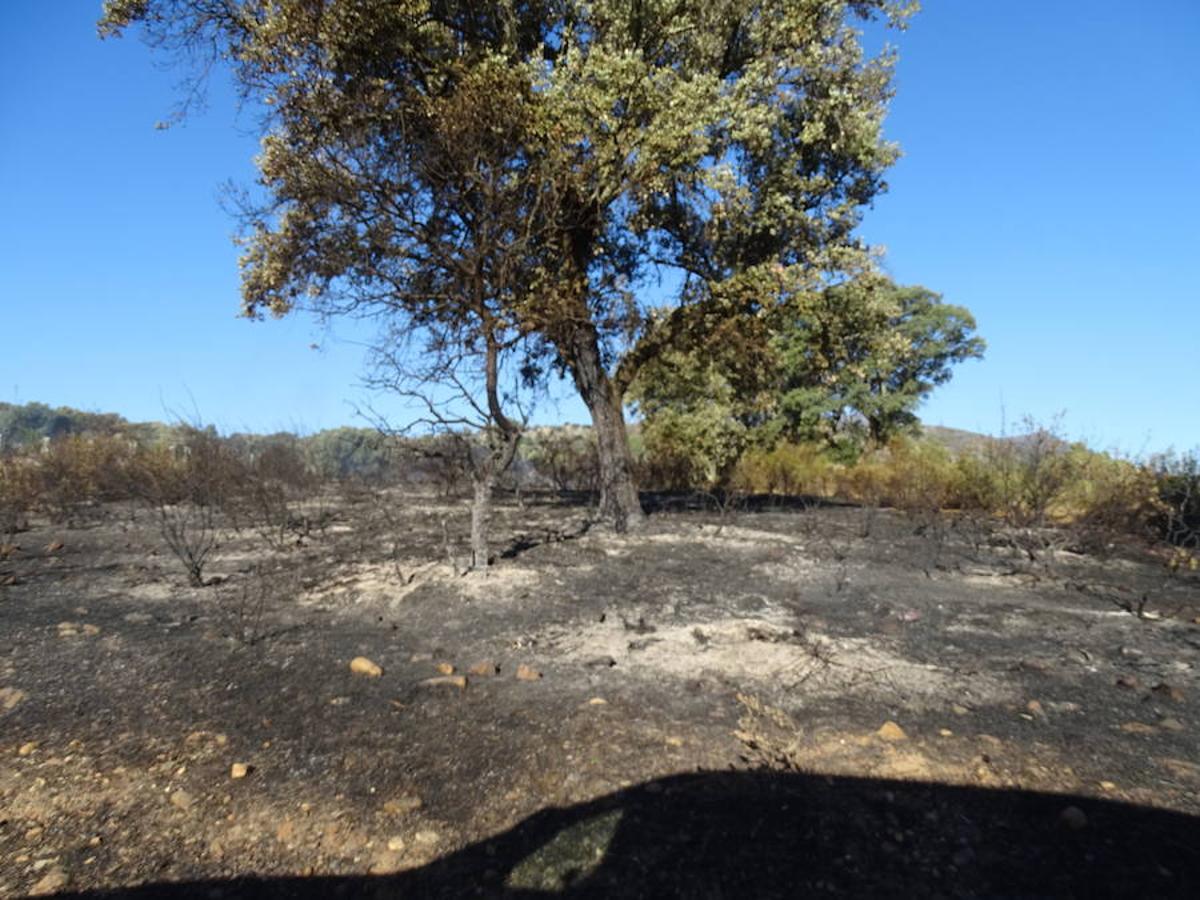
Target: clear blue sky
1051	184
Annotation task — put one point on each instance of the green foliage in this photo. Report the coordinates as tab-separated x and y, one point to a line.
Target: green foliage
560	152
23	426
692	450
341	453
1108	496
844	367
864	354
692	435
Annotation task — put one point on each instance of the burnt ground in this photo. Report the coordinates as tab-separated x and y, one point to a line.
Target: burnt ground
821	700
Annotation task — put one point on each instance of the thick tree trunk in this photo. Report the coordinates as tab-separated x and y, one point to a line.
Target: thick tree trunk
619	504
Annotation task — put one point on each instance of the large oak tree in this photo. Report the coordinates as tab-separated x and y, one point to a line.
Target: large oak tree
729	143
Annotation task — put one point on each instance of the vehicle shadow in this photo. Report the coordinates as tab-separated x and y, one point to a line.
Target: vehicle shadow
767	834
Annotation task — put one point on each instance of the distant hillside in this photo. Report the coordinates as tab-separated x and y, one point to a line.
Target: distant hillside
956	440
30	423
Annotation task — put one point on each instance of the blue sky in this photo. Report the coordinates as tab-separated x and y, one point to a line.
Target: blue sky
1050	183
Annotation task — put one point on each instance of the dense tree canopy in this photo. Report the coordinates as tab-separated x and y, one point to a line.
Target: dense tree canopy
866	353
731	142
843	366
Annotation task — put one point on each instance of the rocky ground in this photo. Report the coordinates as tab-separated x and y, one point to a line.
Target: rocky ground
779	702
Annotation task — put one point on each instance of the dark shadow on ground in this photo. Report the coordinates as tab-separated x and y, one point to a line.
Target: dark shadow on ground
719	501
757	835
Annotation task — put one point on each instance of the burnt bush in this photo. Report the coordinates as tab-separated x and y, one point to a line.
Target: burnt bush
1177	518
187	486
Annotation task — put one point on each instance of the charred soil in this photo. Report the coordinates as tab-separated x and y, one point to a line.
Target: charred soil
761	704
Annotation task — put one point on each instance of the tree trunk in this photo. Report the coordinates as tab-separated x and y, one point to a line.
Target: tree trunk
481	516
619	504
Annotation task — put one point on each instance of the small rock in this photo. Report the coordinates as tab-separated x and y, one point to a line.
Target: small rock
525	673
27	748
239	770
360	665
421	657
445	668
68	629
945	732
1127	681
10	697
1170	724
484	668
403	805
1169	692
1138	728
458	681
1108	786
91	630
597	701
395	844
50	883
1074	818
1035	709
959	710
181	800
891	732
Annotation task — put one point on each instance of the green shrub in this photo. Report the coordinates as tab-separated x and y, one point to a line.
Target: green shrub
787	468
1106	496
691	450
908	474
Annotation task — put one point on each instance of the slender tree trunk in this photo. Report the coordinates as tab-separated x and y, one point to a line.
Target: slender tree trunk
481	516
619	504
